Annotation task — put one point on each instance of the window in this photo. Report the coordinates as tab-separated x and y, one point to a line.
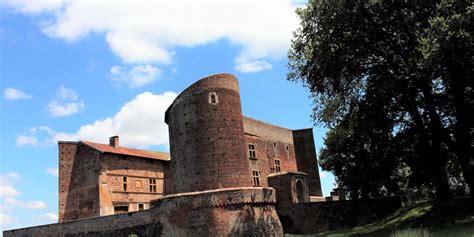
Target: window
277	166
256	177
141	206
152	185
120	209
124	184
252	153
213	99
287	148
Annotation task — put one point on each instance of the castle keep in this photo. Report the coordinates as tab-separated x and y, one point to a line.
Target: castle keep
224	174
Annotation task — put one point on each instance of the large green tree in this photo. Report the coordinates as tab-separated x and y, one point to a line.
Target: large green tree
397	67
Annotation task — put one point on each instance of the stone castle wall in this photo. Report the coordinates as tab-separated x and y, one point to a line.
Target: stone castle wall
138	172
315	217
306	159
225	212
78	189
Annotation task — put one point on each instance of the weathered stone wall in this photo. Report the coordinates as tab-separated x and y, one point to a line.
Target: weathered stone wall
138	172
78	182
224	212
315	217
139	223
67	152
287	188
271	143
268	131
306	159
207	141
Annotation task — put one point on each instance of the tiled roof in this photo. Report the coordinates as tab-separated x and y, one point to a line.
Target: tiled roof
128	151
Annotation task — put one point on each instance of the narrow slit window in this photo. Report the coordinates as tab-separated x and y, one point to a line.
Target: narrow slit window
277	166
256	177
213	99
124	184
152	185
252	152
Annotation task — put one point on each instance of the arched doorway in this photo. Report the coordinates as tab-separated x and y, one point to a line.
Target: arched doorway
299	191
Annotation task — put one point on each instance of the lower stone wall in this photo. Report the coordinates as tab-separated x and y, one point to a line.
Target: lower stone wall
315	217
221	212
138	223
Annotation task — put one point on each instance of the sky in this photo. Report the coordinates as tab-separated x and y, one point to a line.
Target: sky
88	69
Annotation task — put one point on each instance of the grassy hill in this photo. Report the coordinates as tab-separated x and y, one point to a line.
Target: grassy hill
434	219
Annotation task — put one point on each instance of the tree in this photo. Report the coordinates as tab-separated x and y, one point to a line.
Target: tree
352	55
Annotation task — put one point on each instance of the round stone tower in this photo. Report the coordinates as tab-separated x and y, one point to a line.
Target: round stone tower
207	140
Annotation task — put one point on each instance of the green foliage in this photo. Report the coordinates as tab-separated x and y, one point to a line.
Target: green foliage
393	82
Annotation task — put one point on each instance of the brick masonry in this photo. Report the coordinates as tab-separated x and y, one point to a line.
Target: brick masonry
90	182
223	212
314	217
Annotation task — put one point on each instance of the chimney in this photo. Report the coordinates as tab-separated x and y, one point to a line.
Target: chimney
114	141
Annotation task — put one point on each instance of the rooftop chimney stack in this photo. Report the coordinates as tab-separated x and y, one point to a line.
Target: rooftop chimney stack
114	141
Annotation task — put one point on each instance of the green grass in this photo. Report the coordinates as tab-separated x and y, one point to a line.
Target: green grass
418	232
432	219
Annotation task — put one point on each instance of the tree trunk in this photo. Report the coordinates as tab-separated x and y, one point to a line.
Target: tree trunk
462	133
435	126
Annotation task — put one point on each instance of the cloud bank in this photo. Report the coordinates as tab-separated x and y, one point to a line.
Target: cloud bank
139	123
147	31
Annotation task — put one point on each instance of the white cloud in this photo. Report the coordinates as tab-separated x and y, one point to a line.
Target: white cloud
247	66
36	136
15	94
34	6
135	77
47	217
147	31
57	109
22	204
65	104
140	123
6	219
9	178
52	171
8	191
64	93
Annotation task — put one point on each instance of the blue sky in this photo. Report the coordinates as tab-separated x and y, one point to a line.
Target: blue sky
73	70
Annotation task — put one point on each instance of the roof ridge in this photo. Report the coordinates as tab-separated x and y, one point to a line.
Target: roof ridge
106	148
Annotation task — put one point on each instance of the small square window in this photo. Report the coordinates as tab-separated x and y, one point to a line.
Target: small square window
141	206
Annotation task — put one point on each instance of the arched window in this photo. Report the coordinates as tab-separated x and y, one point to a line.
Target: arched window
299	191
213	99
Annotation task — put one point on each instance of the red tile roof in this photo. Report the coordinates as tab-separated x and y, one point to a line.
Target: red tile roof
128	151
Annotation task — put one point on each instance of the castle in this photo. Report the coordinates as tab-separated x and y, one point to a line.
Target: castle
224	174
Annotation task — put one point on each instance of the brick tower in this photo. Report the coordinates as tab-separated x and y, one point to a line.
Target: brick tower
207	136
